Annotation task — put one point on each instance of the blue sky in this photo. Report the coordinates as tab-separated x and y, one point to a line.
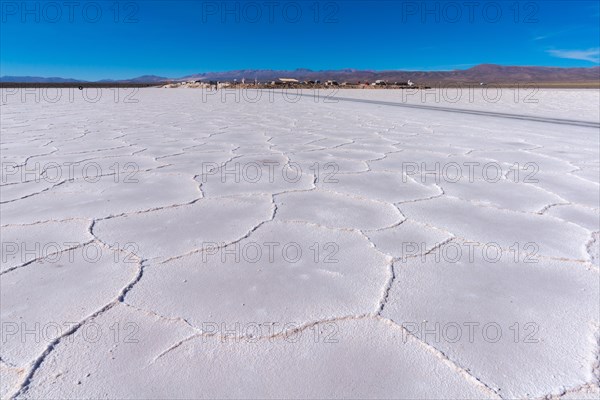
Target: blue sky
106	39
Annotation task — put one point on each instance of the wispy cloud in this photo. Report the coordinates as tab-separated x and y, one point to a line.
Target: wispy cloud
592	55
567	31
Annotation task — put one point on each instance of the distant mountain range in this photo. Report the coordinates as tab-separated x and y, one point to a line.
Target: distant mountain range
36	79
488	73
139	79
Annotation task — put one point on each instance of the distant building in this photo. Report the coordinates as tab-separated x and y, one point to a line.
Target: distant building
289	80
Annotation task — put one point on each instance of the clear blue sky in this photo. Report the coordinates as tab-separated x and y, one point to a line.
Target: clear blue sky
177	38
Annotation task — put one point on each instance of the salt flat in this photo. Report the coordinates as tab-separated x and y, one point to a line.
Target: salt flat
176	243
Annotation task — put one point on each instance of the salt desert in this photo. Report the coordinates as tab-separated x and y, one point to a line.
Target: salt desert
177	243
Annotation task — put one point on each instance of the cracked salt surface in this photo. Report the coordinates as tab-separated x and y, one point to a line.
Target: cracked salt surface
345	278
552	342
218	221
22	244
190	279
265	368
56	295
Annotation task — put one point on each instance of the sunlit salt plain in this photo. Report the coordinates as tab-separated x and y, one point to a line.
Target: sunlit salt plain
175	243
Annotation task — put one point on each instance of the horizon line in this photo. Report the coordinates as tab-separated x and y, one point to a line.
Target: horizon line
294	70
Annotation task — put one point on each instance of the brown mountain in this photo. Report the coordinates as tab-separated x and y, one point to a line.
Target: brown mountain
488	73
